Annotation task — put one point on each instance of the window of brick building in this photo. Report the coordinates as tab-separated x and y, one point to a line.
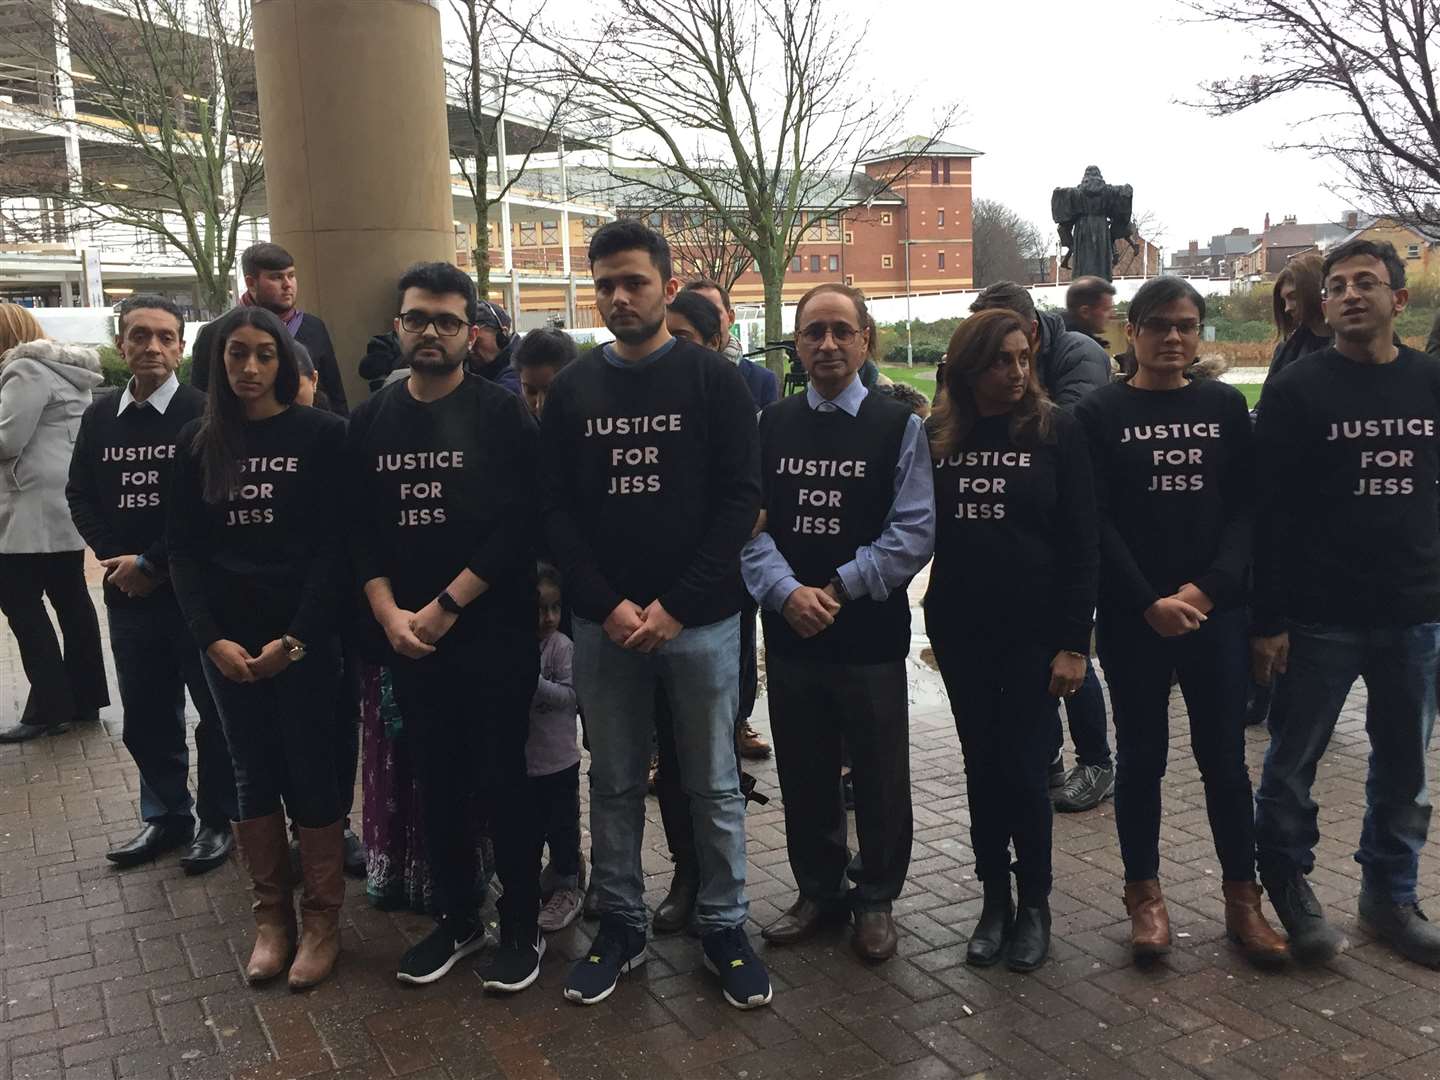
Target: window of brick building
940	218
934	170
940	261
550	232
885	217
849	279
528	234
797	264
832	229
849	237
654	221
947	170
887	262
589	226
1413	251
833	263
814	264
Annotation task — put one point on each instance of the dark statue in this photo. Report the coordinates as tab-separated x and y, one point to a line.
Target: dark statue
1093	218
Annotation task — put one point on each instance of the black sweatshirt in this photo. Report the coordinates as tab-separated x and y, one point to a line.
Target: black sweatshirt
261	564
1017	543
120	477
650	482
436	487
1348	466
1174	481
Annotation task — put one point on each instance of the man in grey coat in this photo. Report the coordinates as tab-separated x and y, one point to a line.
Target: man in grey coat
1069	364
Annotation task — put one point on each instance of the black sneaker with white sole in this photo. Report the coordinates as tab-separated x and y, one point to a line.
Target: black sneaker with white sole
1085	788
516	964
742	975
432	958
617	948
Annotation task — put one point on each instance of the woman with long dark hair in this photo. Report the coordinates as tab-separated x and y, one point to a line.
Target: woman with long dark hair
1173	465
1008	610
252	531
1299	313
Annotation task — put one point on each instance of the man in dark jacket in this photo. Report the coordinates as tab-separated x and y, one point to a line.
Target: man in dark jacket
1089	306
270	283
490	353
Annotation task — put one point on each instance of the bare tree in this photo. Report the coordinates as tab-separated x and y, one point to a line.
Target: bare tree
1375	60
758	106
166	115
1006	245
490	71
699	239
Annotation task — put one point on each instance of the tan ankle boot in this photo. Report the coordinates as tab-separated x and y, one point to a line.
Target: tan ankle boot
1149	921
265	849
1246	925
322	865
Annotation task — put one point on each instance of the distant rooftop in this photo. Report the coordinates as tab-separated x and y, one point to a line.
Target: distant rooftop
919	144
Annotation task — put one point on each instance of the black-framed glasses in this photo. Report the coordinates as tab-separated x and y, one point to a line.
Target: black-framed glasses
843	333
1161	327
417	322
1361	286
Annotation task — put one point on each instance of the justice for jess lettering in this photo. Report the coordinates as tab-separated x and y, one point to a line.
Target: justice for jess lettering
826	498
992	508
429	490
634	470
1383	459
139	488
258	491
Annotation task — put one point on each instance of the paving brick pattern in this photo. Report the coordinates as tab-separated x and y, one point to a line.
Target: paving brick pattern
109	975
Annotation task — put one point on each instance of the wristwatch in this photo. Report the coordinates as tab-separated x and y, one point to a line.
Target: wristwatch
295	649
448	602
837	586
143	565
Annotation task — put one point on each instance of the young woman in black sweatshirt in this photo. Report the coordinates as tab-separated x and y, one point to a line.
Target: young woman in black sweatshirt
1008	610
1173	461
252	534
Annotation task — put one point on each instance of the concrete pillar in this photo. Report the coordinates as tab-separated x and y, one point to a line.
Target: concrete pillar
357	154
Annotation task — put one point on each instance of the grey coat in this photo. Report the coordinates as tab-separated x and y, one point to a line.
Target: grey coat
45	388
1069	364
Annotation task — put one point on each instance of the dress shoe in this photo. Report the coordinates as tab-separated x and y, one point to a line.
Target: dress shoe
987	941
152	841
210	848
1246	926
354	854
1149	921
753	746
1029	941
803	919
675	910
875	938
25	732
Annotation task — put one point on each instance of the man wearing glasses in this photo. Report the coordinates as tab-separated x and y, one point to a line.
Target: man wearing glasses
1347	585
442	469
850	519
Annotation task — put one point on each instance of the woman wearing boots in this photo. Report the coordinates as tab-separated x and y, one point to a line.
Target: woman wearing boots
1008	610
252	536
1173	464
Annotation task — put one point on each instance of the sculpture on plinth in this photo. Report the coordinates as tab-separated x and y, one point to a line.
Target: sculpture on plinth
1093	217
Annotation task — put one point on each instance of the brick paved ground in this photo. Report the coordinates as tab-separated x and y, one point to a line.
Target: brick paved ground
136	974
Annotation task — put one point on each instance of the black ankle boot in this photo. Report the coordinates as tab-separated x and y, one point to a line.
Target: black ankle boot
1029	942
676	909
987	941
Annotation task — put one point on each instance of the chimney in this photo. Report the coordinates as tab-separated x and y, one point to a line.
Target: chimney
1194	248
1267	221
1352	219
1289	219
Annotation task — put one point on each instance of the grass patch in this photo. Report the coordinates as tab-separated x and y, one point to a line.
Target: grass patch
1251	392
921	376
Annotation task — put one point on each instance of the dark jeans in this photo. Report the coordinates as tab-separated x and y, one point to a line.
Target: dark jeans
156	660
1004	714
467	716
1085	712
812	707
557	807
1213	663
62	686
1398	666
281	735
347	731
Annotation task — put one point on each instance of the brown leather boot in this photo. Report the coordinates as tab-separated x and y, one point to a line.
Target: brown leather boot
265	849
322	864
1149	921
1246	925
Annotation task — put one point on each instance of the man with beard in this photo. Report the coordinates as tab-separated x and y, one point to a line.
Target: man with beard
270	283
650	488
442	469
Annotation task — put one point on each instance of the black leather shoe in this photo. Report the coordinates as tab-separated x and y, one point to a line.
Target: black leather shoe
591	910
210	848
152	841
987	940
675	910
1030	938
803	919
354	854
25	732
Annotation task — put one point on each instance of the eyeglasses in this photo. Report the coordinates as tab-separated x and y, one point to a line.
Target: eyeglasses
843	333
1161	327
1362	286
417	322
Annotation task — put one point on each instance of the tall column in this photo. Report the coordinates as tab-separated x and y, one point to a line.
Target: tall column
357	154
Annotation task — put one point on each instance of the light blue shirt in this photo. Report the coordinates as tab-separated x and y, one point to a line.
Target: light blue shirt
905	543
159	399
615	361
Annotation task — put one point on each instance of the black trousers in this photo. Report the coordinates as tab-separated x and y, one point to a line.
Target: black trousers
156	661
467	717
1213	665
813	706
62	685
281	737
347	730
557	806
1000	695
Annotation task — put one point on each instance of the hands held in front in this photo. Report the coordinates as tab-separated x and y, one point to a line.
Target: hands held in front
1269	656
643	629
237	665
125	575
1172	616
809	610
399	627
1067	673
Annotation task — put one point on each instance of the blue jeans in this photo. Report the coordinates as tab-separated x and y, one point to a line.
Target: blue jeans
1398	666
697	672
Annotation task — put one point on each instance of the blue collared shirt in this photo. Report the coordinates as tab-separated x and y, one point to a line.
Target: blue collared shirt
905	543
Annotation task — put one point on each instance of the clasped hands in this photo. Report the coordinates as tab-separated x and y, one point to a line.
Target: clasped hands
643	629
237	665
414	634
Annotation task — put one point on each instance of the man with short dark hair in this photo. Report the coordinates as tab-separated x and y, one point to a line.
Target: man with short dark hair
494	346
442	467
650	488
759	380
1069	365
118	486
1089	306
270	283
1347	586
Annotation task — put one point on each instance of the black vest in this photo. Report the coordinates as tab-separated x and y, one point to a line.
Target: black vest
829	481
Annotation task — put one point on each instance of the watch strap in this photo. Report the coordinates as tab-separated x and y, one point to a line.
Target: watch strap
448	602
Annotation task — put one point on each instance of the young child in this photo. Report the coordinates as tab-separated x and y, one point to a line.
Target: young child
553	760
